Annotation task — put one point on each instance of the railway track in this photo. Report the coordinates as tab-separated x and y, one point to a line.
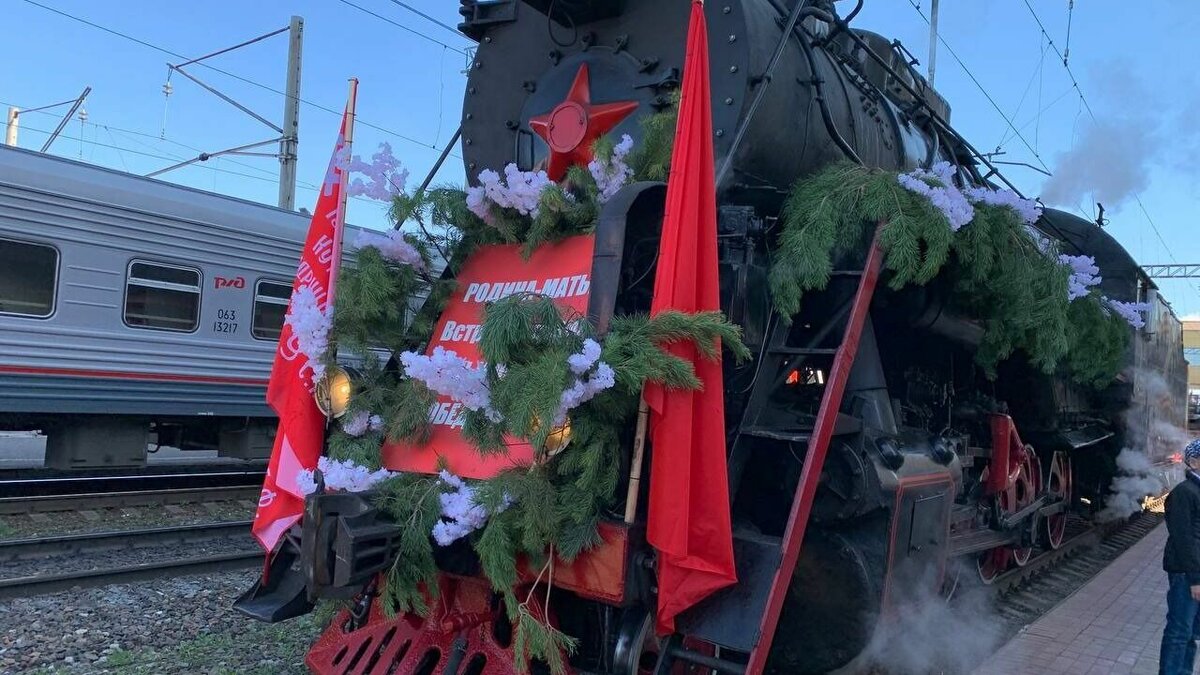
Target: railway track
24	549
110	500
21	587
1027	593
74	493
36	486
82	544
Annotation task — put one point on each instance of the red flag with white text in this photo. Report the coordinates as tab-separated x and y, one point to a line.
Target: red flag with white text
301	434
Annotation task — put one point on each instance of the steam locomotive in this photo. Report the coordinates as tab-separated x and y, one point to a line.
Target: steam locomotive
923	462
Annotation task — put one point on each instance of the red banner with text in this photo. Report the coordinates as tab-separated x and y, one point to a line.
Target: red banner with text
561	271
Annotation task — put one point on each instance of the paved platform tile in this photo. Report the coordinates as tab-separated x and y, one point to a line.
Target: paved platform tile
1112	625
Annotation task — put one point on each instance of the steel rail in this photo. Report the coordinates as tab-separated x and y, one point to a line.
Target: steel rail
68	484
1082	543
40	547
108	500
22	587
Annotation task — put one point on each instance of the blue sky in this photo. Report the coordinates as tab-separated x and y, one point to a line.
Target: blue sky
1129	60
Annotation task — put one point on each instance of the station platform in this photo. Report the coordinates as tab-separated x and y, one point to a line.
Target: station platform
1113	624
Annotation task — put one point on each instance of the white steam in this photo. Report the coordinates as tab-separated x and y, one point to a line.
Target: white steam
1136	131
1136	479
1150	435
1110	161
932	634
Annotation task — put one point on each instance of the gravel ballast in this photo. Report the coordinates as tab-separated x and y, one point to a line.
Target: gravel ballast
180	625
127	518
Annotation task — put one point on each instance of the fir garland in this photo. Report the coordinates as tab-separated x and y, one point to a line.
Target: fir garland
553	507
996	268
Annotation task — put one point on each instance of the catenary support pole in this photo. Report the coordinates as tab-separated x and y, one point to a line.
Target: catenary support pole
290	142
66	118
10	129
933	38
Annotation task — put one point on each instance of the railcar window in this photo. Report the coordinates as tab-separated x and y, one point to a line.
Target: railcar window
28	276
160	296
270	305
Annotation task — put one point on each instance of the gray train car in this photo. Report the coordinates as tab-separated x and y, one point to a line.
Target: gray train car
135	312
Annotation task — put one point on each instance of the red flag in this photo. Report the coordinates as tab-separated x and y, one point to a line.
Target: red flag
689	520
301	424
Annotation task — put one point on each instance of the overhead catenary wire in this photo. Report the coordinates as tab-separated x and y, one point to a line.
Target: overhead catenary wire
401	26
140	153
164	50
425	16
132	135
164	155
1037	73
1137	197
981	88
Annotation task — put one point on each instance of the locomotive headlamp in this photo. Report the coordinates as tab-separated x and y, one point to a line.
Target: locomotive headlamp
557	440
334	391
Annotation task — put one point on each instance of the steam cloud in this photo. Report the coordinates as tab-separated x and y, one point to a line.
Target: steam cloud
933	634
1135	481
1149	436
1110	160
1112	156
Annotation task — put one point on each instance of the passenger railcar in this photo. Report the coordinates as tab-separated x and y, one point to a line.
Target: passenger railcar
135	311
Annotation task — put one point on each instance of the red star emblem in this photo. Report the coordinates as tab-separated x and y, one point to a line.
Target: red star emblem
573	125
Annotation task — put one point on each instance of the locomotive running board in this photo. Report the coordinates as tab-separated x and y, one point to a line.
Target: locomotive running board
765	563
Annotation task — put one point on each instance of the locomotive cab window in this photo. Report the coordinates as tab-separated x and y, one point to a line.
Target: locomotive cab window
165	297
270	306
28	278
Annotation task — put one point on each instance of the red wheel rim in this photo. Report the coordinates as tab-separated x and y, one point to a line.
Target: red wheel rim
1058	485
1025	490
992	563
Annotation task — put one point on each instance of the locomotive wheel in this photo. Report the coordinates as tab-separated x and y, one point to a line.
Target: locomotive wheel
637	648
992	563
1027	486
1058	485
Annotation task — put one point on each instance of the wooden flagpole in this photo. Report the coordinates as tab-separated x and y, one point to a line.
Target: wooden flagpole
340	225
635	466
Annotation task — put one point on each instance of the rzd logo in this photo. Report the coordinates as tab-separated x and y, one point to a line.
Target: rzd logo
235	282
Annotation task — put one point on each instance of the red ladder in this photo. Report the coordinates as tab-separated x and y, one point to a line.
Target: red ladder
810	475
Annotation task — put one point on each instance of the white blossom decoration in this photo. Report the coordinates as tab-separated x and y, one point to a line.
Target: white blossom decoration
1028	210
1130	311
461	513
520	190
1084	274
937	185
310	325
584	389
448	374
361	422
612	174
391	245
339	475
385	178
